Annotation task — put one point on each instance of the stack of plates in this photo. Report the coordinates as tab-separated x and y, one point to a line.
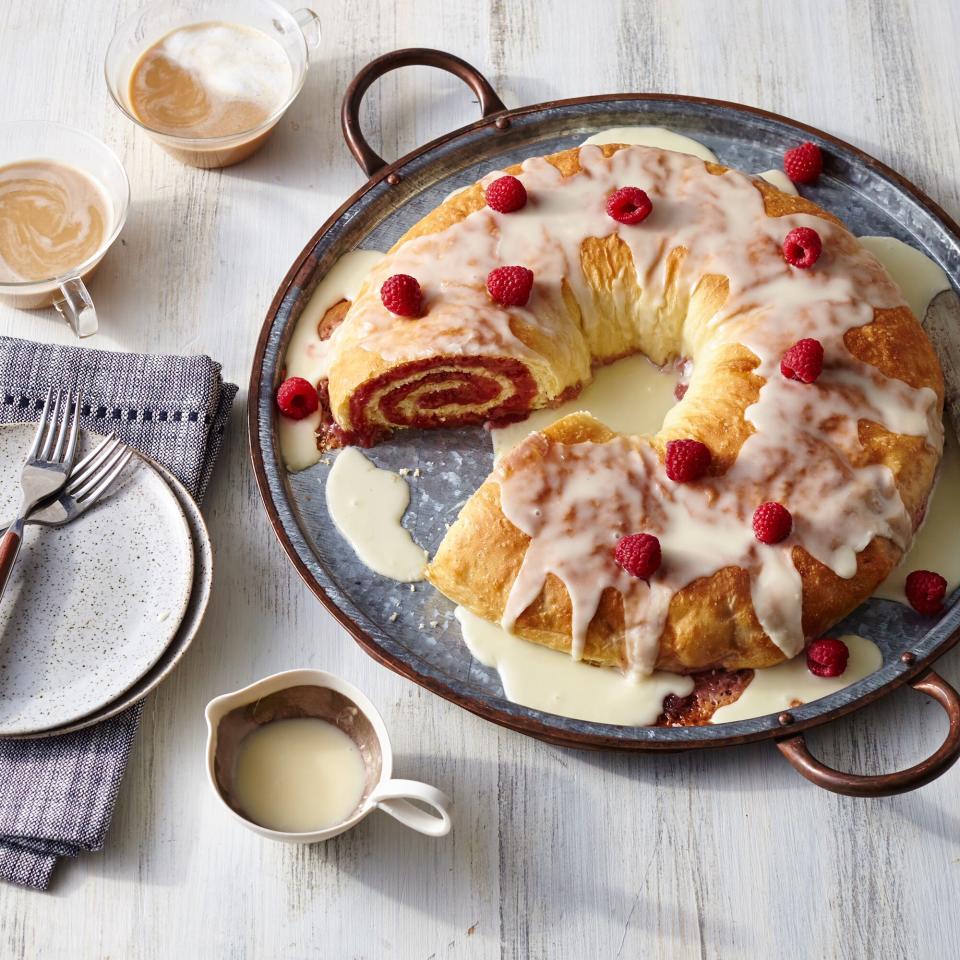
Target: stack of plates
99	611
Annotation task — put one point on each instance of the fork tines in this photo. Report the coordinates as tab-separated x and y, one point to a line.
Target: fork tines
56	438
97	471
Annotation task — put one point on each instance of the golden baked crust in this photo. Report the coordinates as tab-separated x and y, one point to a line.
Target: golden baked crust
564	359
711	621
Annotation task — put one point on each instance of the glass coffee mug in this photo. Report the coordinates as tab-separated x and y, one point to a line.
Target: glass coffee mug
62	193
297	34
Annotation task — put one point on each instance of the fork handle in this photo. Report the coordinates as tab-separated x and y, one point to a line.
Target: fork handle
9	548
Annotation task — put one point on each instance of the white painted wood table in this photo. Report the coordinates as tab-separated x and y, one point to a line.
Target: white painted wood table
553	854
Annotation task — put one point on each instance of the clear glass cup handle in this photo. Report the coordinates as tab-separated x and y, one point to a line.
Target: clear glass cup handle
76	307
394	797
309	24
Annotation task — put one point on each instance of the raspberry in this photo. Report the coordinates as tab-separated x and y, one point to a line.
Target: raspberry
638	554
510	286
772	522
401	295
827	657
803	361
802	247
925	591
803	164
297	398
687	460
506	195
629	205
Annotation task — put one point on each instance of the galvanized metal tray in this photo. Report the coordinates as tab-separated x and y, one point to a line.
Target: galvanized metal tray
424	642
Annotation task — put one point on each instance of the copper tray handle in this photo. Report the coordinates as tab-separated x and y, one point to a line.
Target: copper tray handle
369	160
886	784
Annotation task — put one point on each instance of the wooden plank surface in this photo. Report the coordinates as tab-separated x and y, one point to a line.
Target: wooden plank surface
554	854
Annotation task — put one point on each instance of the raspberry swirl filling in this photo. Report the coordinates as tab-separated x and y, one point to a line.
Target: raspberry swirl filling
440	392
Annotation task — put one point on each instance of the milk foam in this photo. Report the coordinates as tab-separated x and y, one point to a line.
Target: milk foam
233	62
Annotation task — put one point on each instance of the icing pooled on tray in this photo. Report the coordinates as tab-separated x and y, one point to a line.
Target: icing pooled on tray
919	278
543	679
307	354
785	685
780	180
630	396
367	504
658	137
547	680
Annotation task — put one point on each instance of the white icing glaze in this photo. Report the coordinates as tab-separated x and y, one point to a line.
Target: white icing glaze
630	396
298	775
669	140
575	501
298	441
780	180
658	137
453	193
935	545
787	684
367	504
544	679
919	278
307	355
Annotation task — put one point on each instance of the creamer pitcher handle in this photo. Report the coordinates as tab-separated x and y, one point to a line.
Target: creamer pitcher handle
394	797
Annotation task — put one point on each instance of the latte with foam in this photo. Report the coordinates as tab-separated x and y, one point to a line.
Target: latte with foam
53	219
209	80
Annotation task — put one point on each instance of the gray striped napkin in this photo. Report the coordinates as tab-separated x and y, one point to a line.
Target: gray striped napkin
57	795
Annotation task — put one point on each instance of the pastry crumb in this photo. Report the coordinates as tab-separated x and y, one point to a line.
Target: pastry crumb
434	624
393	616
416	472
404	471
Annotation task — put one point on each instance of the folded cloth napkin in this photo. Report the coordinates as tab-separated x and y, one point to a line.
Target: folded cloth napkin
57	794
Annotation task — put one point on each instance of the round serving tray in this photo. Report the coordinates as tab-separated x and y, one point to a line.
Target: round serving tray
423	643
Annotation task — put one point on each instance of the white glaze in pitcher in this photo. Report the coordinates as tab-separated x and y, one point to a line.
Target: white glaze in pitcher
390	795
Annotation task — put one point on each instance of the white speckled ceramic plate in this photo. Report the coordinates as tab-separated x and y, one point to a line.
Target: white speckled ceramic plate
92	605
192	619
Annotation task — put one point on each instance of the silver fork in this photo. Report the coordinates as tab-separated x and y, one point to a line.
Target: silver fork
91	478
48	465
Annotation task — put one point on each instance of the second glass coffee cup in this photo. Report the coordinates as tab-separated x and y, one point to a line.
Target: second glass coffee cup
209	80
65	197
